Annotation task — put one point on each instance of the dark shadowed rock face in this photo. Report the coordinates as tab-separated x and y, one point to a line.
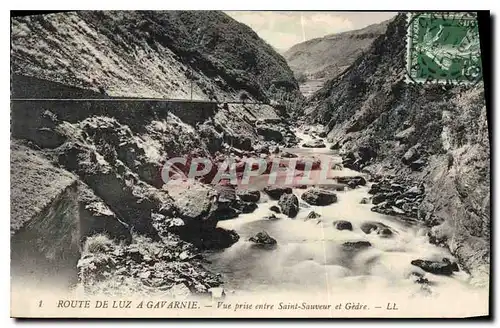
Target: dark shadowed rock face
269	132
97	218
342	225
289	204
430	133
319	197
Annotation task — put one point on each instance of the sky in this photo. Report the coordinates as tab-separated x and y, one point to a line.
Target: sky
283	29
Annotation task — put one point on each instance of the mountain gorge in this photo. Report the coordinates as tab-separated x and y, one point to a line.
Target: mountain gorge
434	134
329	56
318	60
87	158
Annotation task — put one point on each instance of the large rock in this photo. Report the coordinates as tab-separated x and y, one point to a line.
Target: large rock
275	192
319	197
249	195
275	209
342	225
269	132
193	201
378	227
262	239
245	207
366	153
207	238
289	204
226	195
316	143
445	267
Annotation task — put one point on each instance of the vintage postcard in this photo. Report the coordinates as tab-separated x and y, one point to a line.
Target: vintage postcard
249	164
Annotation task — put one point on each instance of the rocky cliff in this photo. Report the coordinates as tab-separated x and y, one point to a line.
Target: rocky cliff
433	134
170	54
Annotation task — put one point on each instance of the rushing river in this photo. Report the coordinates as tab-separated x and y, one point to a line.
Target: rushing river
309	257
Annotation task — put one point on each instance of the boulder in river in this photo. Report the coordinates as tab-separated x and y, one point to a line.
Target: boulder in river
319	197
444	267
249	195
312	215
245	207
275	209
356	245
217	238
380	228
271	217
276	192
316	143
364	200
263	239
288	155
342	225
352	182
289	204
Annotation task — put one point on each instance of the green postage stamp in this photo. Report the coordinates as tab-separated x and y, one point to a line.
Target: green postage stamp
443	48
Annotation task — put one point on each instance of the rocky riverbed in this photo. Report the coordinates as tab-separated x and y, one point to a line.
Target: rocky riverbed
368	233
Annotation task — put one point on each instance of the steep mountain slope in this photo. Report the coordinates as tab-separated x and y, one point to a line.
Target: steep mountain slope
330	55
151	54
434	134
116	149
